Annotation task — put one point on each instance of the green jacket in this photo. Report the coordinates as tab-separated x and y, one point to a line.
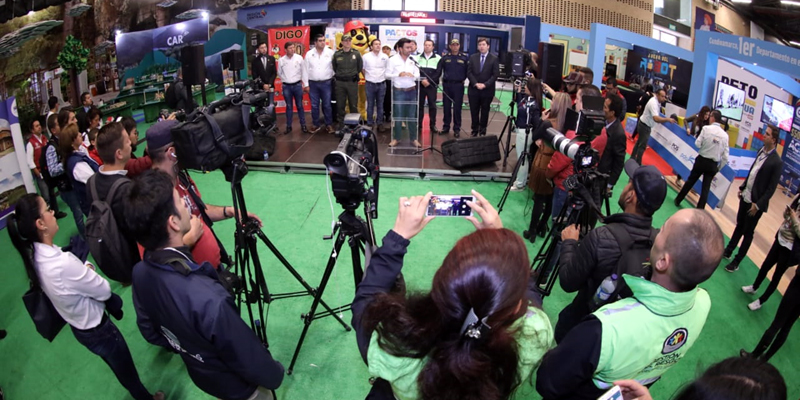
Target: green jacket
347	65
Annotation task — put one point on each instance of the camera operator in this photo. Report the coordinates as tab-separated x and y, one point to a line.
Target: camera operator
181	305
200	238
479	311
585	263
529	117
560	166
614	155
643	336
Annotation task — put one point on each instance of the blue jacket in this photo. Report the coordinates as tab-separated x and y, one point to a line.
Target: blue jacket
80	187
182	306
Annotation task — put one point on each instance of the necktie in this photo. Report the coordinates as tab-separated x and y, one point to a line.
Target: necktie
483	58
264	61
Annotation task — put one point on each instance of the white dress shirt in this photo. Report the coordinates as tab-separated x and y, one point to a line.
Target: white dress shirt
77	292
82	171
319	67
291	70
398	65
650	109
751	179
713	144
29	150
375	67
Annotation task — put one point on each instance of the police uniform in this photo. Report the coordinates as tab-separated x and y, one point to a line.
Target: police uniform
430	69
454	68
346	67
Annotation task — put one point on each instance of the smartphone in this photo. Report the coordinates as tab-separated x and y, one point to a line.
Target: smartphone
449	206
615	393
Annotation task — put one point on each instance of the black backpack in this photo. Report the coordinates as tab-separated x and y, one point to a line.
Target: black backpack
110	249
171	97
634	260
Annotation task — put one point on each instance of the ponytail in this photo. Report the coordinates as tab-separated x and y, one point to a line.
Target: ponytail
23	233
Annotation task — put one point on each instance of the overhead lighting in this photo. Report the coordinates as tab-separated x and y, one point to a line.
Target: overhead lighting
790	3
119	32
204	14
180	26
742	1
658	3
793	43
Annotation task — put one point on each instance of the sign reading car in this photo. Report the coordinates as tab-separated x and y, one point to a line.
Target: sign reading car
177	39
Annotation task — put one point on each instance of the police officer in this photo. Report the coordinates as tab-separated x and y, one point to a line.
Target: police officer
430	74
454	67
347	64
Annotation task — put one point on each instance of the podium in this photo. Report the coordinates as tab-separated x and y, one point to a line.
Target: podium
405	120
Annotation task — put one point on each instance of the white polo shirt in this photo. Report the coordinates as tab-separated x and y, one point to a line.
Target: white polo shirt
375	67
319	67
398	65
291	70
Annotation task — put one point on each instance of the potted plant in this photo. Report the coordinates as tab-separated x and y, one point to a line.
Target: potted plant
73	59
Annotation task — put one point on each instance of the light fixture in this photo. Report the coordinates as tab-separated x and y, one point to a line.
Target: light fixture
119	32
658	3
790	3
742	1
180	26
793	43
204	14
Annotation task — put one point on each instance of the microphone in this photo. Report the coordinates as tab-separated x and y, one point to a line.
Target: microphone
413	60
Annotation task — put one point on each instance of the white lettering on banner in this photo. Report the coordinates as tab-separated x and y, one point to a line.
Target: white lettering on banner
686	155
390	34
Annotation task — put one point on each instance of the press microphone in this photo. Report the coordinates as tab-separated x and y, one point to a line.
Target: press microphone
413	60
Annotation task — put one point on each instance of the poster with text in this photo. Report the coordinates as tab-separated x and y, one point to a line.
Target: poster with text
790	177
14	181
645	65
390	34
704	20
276	41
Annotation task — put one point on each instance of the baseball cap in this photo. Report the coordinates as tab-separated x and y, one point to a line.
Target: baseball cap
648	183
454	41
573	77
160	134
346	38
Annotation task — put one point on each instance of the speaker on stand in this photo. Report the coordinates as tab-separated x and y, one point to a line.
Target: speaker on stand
551	64
194	69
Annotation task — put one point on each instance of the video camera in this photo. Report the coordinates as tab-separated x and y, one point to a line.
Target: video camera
215	135
353	162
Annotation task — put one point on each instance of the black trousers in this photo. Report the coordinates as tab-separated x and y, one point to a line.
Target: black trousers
387	102
780	258
479	103
428	93
542	208
706	168
452	109
745	227
787	314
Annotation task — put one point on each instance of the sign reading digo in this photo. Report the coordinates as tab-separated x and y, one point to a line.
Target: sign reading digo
277	39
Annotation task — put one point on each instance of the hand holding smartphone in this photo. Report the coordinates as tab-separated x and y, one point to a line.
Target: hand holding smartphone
449	206
615	393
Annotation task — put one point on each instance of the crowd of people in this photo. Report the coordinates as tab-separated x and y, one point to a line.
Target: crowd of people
480	331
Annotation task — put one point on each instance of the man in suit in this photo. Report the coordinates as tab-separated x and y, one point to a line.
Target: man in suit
86	104
484	68
754	196
613	158
264	69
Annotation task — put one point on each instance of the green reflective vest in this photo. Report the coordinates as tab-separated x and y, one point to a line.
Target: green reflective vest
645	335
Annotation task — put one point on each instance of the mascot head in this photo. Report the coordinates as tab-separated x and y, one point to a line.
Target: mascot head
360	34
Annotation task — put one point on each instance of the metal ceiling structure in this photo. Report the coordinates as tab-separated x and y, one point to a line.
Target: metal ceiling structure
10	9
778	18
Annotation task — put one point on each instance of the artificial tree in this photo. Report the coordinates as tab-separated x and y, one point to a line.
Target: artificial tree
73	58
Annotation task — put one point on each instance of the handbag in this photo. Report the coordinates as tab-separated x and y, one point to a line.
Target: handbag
44	315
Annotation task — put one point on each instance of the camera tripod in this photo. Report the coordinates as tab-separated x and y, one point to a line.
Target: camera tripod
254	291
522	157
509	126
361	239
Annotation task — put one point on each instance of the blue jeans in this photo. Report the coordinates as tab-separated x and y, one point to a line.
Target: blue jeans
320	91
404	113
294	94
106	341
71	198
375	94
559	199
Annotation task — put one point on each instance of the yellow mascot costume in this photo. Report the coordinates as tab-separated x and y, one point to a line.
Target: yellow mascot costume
361	40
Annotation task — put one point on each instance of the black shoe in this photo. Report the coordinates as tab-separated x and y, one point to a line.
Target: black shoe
530	235
474	134
446	130
304	129
732	267
456	134
3	333
60	215
288	130
745	354
727	254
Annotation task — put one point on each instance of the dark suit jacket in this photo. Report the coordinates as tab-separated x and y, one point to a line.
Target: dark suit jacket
766	181
83	122
268	75
613	159
490	73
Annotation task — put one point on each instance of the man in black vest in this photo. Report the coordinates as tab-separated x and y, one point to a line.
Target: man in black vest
264	69
754	196
483	71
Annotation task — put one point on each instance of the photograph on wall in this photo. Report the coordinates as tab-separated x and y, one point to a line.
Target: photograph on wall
729	101
777	113
659	69
704	20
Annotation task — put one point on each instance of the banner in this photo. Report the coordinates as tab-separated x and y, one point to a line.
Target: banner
790	177
14	181
677	148
704	20
645	65
390	34
132	47
276	39
279	14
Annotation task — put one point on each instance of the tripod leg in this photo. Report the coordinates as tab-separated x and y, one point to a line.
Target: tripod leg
260	291
308	318
511	182
296	274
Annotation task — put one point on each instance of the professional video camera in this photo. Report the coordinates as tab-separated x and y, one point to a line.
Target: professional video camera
353	161
213	136
586	187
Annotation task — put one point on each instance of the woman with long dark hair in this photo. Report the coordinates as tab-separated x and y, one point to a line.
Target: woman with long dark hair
542	187
698	121
78	164
77	292
475	335
529	117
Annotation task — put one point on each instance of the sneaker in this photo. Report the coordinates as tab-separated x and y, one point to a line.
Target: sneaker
304	129
748	289
754	305
727	254
314	128
732	267
60	215
517	187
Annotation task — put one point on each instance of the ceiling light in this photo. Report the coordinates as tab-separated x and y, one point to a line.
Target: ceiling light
119	32
204	14
790	3
742	1
658	3
793	43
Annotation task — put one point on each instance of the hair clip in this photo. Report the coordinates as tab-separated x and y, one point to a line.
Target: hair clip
473	327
